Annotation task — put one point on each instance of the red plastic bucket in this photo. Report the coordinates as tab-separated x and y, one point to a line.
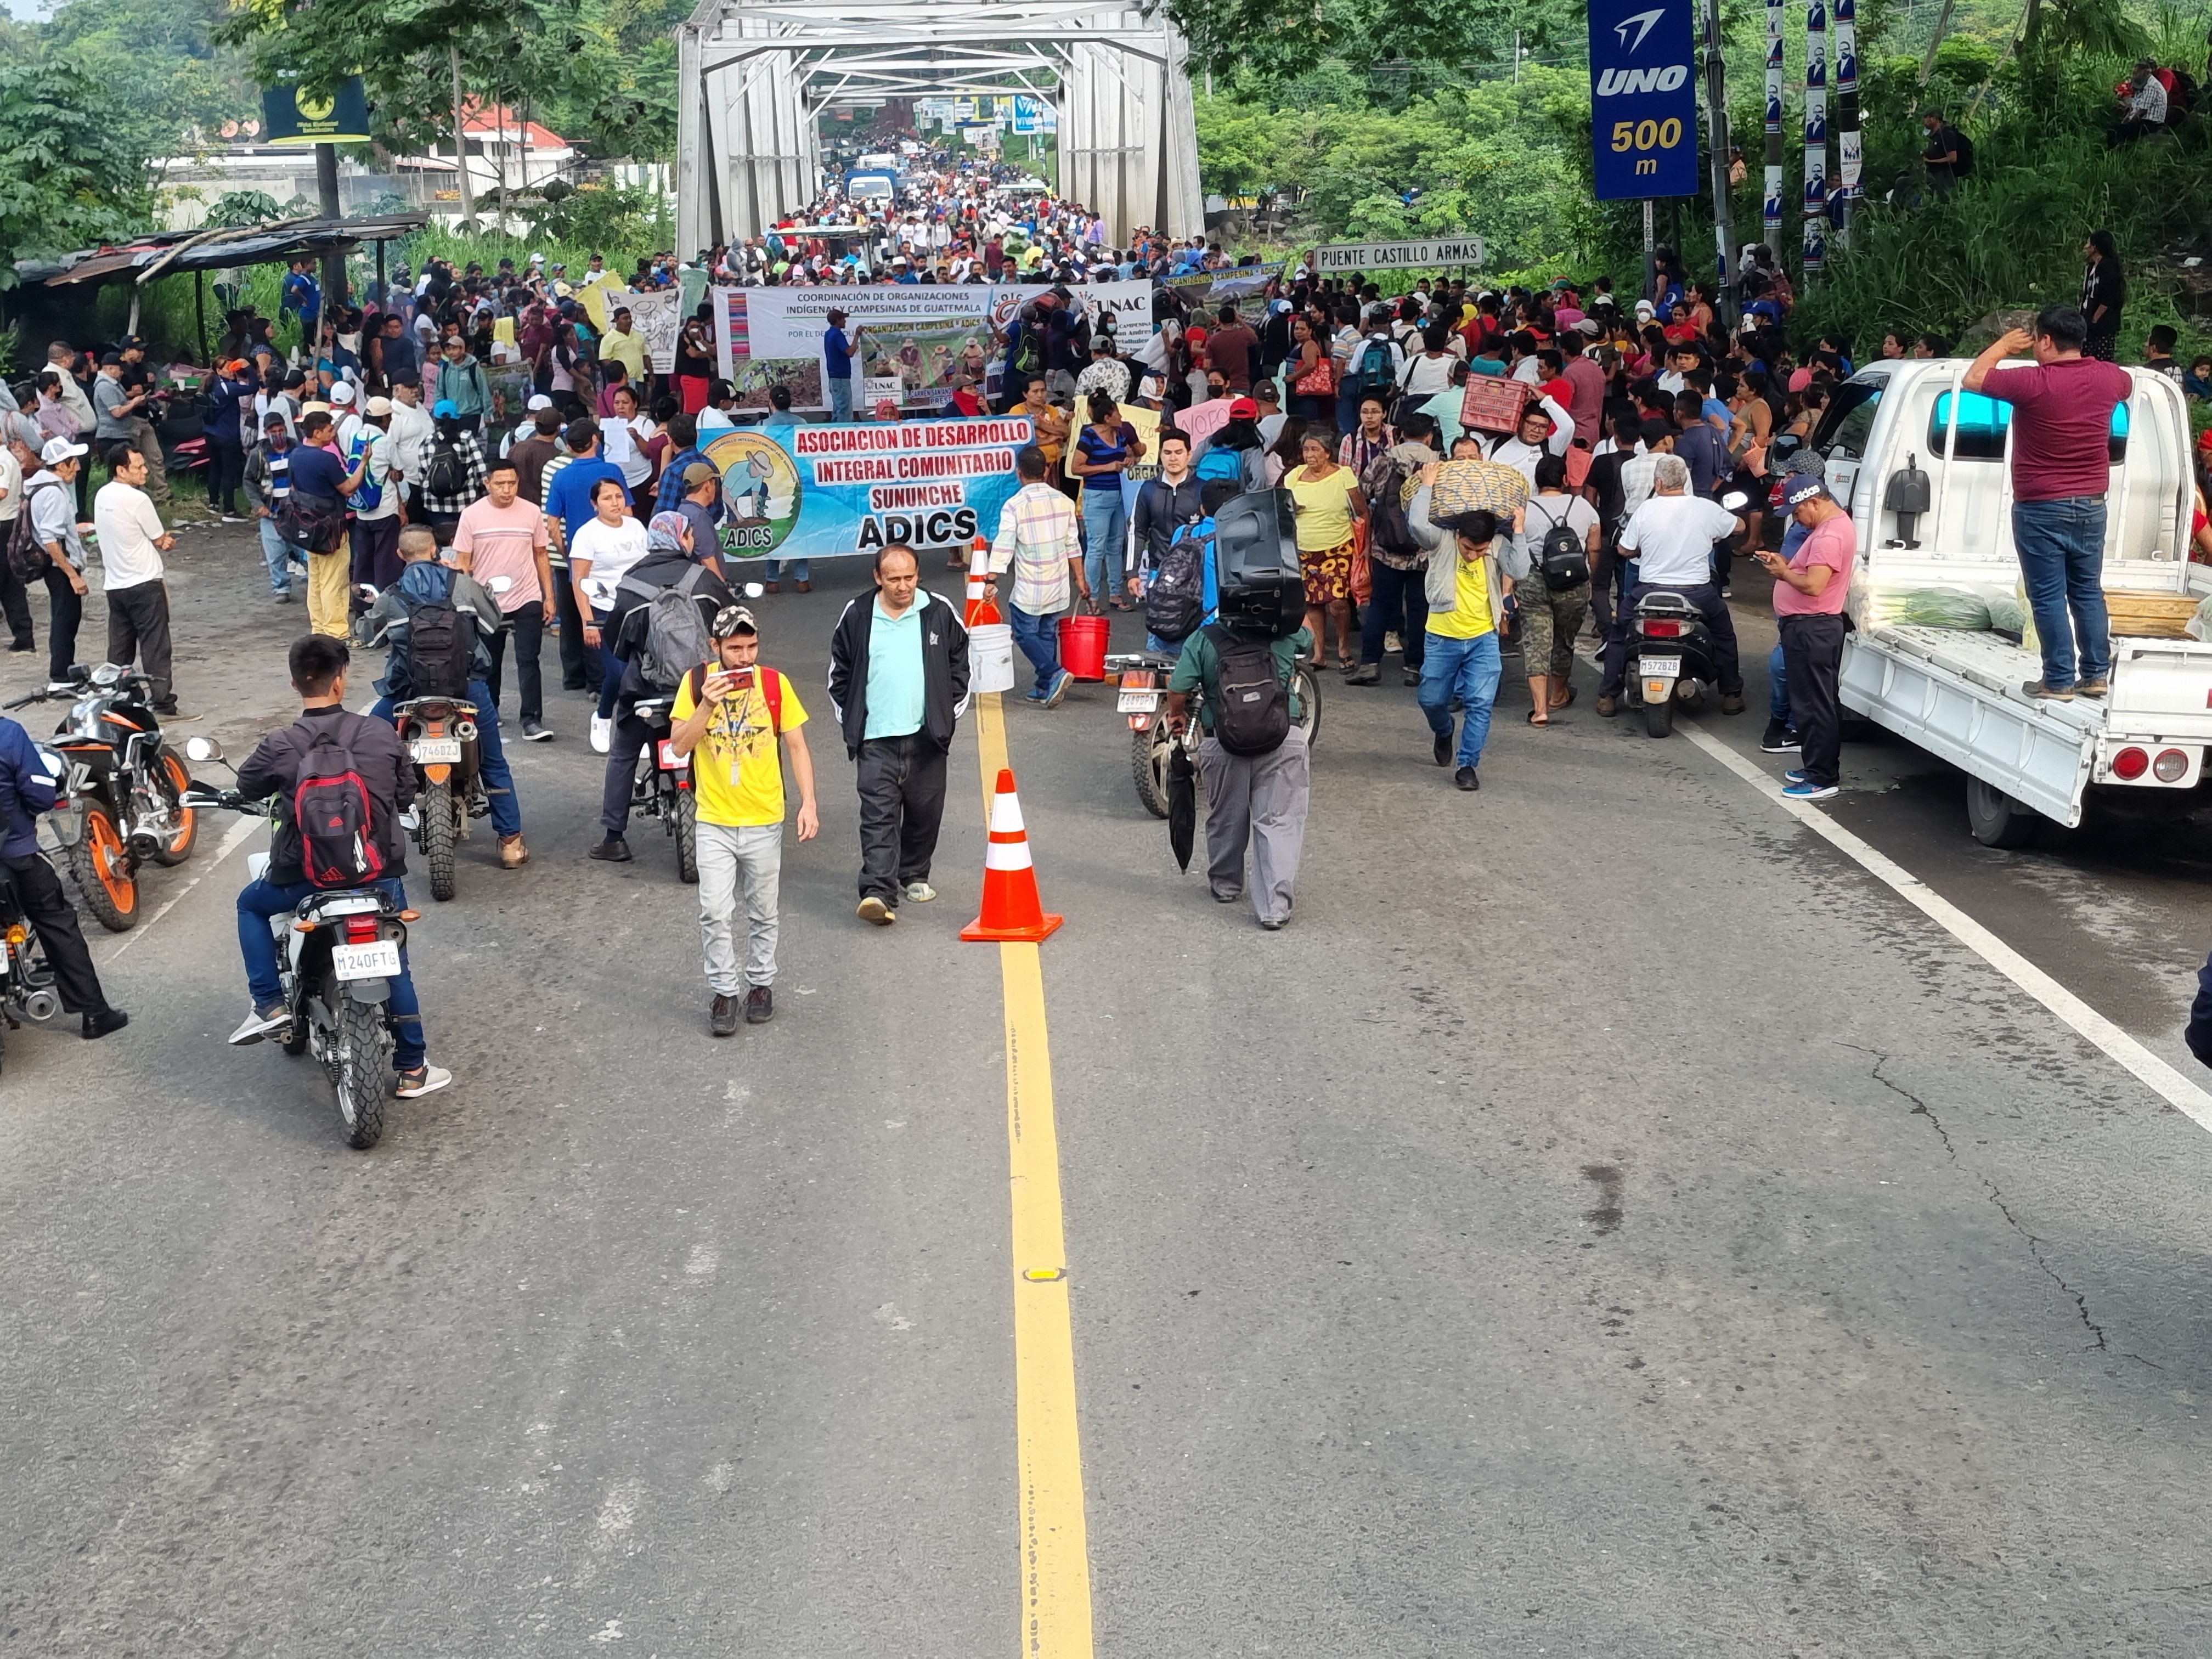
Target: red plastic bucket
1083	646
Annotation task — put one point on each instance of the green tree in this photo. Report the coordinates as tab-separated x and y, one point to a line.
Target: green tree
68	176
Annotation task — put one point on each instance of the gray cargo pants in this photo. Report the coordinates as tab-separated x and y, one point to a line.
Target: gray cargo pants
1263	799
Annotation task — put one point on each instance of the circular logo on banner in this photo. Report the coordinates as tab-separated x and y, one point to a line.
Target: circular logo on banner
760	492
314	106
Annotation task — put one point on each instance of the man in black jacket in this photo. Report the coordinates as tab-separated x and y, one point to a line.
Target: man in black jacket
318	674
898	682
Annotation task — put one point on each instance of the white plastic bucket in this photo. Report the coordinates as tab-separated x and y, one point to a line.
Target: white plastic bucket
991	657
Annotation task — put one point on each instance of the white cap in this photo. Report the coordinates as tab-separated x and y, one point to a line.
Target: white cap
60	449
341	392
538	400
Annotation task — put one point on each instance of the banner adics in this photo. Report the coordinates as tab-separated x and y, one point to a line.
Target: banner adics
813	492
1643	99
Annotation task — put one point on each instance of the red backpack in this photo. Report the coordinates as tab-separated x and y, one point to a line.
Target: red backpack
333	811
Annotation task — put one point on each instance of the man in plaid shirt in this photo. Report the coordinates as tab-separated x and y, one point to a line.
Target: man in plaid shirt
1038	537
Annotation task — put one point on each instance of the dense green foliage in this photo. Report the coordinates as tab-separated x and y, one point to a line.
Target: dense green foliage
67	175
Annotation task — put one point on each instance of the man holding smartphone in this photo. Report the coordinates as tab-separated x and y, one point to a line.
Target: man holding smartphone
729	714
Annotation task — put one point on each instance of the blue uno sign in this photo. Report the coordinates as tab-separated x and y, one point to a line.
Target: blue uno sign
1644	98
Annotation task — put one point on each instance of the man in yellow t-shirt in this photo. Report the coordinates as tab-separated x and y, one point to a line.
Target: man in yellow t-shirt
730	714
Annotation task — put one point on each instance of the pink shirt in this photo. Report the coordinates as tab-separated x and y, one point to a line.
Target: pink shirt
503	541
1834	544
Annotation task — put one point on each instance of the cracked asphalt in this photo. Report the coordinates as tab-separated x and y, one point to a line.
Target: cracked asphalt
1606	1223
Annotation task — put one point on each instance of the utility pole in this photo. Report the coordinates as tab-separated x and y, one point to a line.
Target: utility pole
1717	127
460	140
1651	254
326	188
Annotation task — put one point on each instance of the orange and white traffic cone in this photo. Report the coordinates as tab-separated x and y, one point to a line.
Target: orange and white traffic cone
980	609
1011	906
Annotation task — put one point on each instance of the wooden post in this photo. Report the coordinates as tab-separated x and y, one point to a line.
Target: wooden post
199	310
460	141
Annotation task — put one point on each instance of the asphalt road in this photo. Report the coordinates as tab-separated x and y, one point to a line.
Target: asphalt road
1605	1223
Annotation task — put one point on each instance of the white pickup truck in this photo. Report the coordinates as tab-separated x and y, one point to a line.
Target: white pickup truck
1957	693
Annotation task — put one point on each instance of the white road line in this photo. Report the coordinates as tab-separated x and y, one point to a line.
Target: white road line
2086	1022
237	833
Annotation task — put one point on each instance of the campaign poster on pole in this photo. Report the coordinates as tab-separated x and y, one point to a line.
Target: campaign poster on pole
818	492
1644	98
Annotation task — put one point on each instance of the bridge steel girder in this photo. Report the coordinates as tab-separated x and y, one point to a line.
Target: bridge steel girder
754	75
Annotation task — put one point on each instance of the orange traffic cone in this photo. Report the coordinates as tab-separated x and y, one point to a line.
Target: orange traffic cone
1011	909
980	610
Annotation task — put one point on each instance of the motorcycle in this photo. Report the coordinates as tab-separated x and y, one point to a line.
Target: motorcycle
663	790
441	735
123	800
1142	699
1670	657
180	429
27	992
337	951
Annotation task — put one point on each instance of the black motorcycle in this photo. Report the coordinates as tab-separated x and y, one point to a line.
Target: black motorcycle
123	799
27	992
1669	660
663	789
337	953
441	735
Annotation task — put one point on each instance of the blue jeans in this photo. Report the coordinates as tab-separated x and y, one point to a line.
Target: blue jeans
611	665
1467	670
258	900
1778	680
276	554
1105	538
841	398
2061	554
491	758
798	571
1039	639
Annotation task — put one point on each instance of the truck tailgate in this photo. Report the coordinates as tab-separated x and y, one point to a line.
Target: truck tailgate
2161	692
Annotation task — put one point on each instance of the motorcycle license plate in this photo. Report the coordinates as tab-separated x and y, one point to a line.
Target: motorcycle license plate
1140	700
436	751
1657	667
669	760
379	959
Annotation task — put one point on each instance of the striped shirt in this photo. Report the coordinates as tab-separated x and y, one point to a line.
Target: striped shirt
1037	536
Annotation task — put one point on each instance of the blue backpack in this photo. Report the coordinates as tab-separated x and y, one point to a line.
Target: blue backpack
370	495
1183	597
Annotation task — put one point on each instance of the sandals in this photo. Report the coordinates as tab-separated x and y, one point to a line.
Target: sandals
1567	700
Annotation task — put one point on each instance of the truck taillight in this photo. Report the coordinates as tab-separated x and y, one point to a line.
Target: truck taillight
2171	766
362	930
2130	765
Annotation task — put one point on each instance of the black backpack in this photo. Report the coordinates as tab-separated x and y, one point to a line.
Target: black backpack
439	658
1562	556
333	810
1252	709
27	556
446	474
1963	147
1175	606
1391	532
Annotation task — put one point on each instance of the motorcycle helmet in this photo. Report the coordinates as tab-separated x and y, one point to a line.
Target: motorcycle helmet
1255	553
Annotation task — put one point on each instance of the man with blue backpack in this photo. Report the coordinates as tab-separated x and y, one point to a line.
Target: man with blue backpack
1164	506
437	623
1373	370
375	500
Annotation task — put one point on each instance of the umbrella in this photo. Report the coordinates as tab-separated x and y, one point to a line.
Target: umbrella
1182	804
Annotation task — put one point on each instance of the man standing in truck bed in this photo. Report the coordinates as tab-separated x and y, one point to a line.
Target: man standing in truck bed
2060	469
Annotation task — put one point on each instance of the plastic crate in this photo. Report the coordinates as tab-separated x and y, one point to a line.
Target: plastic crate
1494	404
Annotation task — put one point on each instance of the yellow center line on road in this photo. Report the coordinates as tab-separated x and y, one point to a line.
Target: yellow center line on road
1054	1544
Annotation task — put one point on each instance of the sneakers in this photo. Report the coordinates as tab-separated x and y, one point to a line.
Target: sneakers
261	1023
760	1006
1465	779
1042	699
722	1017
98	1025
533	732
603	734
2042	693
1368	673
2091	688
283	596
423	1080
1806	789
513	854
613	850
1779	739
1057	694
873	909
1413	676
1220	897
1391	641
921	891
1442	748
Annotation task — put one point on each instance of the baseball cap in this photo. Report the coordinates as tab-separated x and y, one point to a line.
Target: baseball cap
697	474
273	420
235	366
1803	487
1243	409
108	357
733	619
378	406
341	392
1590	325
60	449
445	409
538	400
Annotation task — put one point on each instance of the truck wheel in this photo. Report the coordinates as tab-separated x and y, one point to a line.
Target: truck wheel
1995	818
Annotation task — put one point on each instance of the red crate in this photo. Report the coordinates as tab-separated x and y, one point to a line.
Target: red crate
1494	404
